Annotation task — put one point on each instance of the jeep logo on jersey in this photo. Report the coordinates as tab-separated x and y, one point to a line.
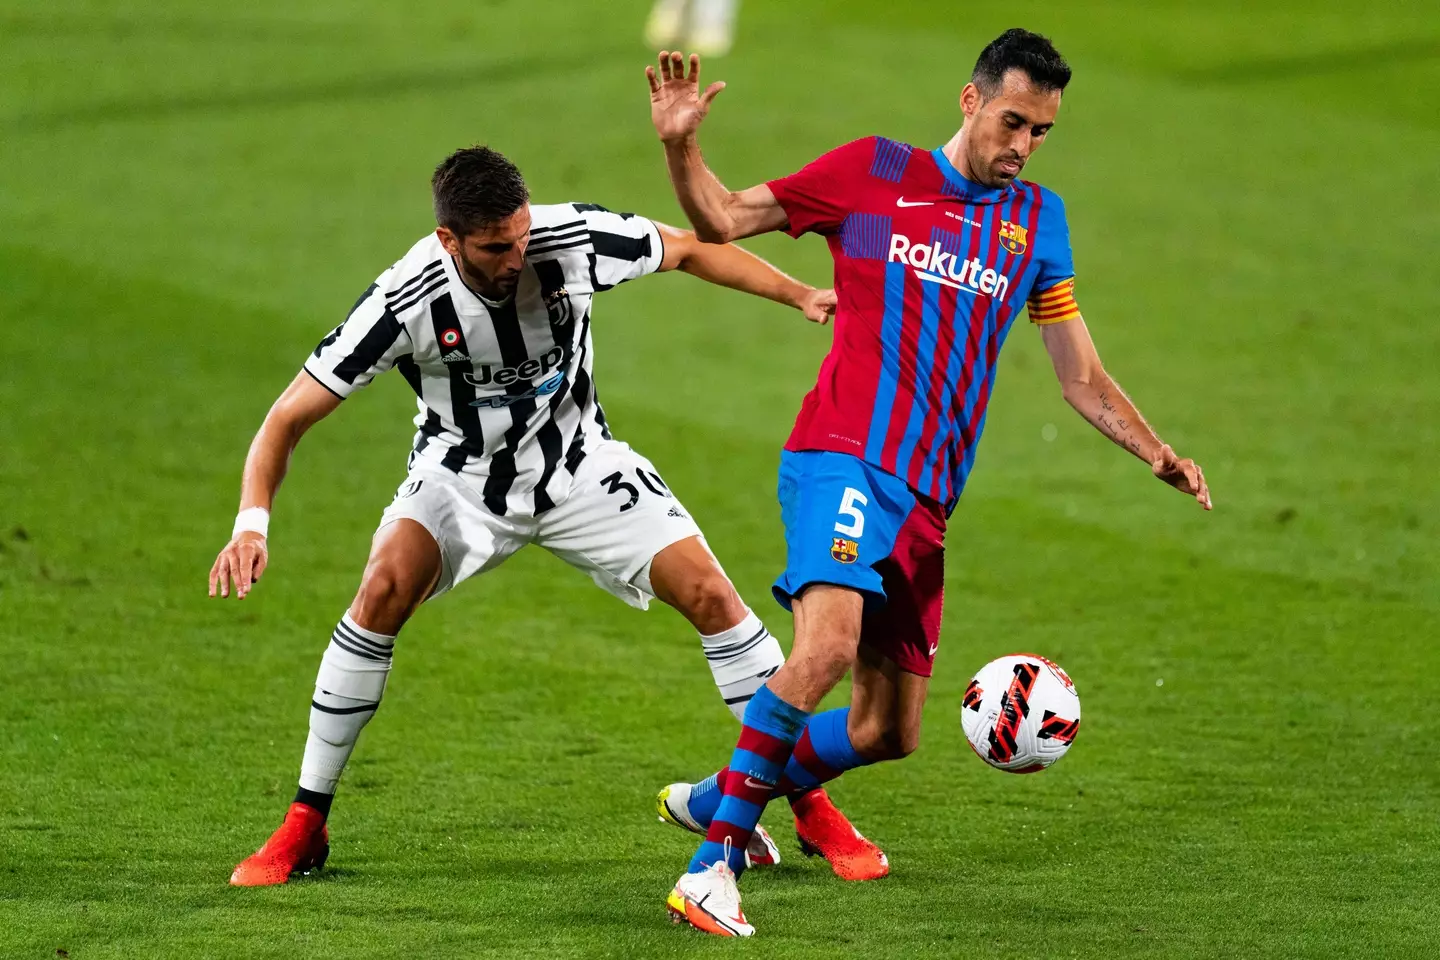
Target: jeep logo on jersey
506	399
485	375
933	264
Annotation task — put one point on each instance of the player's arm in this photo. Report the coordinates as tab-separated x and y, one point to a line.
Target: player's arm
677	108
1098	398
303	404
368	342
730	266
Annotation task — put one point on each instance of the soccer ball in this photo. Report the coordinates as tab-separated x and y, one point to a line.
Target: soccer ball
1020	713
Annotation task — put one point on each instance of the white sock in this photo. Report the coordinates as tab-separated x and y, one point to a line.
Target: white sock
741	660
347	692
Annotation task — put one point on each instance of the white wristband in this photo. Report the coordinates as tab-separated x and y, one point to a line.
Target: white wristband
254	519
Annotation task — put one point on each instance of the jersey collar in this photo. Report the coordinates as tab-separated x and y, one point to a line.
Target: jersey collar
490	305
969	190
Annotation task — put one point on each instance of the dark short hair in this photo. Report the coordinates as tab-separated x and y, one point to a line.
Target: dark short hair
474	188
1017	49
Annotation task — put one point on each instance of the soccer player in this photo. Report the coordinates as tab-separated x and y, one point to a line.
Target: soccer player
936	252
488	320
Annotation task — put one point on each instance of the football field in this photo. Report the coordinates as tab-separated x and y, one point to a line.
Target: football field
193	195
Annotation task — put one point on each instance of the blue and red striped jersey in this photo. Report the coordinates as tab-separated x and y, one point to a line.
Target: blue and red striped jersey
931	269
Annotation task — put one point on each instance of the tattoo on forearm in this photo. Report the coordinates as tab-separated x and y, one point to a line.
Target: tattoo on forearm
1115	429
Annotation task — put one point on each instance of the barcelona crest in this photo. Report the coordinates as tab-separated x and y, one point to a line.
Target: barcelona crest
1012	237
845	551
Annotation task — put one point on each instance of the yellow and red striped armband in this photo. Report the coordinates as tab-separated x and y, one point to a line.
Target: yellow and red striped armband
1055	304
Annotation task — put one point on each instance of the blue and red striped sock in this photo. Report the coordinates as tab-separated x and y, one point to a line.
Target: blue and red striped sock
822	753
767	736
705	797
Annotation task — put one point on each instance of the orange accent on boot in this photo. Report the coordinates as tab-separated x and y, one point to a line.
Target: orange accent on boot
822	829
301	844
705	923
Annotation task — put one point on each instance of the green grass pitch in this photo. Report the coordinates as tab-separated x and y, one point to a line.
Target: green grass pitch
192	195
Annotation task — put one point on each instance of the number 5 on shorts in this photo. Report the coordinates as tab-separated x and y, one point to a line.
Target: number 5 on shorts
849	509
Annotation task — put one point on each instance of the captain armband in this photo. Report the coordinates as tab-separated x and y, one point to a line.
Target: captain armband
1054	304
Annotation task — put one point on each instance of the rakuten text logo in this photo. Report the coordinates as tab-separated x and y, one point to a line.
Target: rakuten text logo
936	266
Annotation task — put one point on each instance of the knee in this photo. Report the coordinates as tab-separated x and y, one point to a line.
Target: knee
388	595
711	604
883	738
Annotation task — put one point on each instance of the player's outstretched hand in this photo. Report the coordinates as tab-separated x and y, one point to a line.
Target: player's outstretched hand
818	306
242	561
676	104
1184	475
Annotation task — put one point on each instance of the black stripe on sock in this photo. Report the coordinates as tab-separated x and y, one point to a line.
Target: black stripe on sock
335	639
381	646
343	711
732	650
360	643
319	801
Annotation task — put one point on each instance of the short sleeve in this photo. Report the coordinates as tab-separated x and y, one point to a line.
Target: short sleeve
626	246
818	196
367	343
1052	298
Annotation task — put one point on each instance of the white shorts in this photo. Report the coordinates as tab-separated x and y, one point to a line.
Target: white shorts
611	530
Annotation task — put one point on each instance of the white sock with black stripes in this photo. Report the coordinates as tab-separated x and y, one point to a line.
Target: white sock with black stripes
741	660
347	693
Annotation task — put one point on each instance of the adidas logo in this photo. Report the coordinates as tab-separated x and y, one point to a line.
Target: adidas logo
676	512
454	356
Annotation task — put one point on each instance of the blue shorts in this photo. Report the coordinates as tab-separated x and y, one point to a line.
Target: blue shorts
851	524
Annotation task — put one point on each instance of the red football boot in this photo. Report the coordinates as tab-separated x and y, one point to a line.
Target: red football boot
822	829
300	845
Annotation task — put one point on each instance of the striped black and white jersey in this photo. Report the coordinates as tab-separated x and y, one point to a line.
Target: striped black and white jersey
506	391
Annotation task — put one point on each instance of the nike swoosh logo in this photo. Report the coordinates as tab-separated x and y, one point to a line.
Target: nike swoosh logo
932	278
757	785
902	202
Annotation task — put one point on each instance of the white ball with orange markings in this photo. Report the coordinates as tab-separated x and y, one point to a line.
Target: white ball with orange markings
1020	713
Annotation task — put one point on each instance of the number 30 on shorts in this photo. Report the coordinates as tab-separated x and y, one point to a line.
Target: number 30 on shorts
848	508
615	483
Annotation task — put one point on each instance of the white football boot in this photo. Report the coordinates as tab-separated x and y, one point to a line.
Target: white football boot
710	901
673	806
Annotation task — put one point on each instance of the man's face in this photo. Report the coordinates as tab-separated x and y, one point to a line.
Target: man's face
492	257
1002	132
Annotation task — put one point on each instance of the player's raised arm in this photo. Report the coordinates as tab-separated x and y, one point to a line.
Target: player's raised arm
677	108
730	266
1098	398
303	404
